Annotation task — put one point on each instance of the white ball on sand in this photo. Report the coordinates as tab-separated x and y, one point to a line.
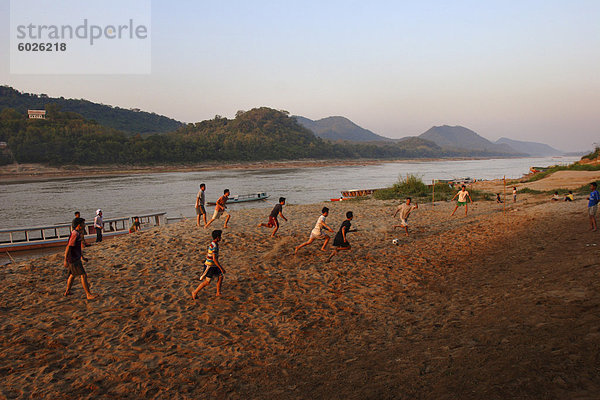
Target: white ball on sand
396	242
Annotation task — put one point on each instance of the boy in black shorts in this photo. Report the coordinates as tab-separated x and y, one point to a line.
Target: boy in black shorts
340	242
273	222
213	268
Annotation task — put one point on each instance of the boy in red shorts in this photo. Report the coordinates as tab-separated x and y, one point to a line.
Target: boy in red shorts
273	222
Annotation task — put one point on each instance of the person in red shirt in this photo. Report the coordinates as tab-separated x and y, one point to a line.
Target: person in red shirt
73	257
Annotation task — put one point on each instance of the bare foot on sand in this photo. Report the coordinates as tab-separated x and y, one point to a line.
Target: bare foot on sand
67	293
193	295
91	296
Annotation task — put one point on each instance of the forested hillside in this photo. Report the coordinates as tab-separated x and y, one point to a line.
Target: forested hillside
130	122
258	134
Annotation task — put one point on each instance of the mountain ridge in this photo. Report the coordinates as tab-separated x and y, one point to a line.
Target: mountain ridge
340	128
534	149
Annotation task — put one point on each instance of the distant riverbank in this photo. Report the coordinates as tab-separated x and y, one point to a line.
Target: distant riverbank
40	172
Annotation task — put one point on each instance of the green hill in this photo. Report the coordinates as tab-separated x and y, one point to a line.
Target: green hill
131	122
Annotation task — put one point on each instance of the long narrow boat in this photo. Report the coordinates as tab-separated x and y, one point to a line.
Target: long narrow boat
19	239
358	192
242	198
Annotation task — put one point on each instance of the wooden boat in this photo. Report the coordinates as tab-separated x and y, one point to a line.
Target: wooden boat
19	239
535	170
242	198
342	199
358	192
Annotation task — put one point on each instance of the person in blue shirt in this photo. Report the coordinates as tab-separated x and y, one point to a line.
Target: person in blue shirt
594	199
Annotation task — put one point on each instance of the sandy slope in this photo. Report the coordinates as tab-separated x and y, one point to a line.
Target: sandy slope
557	180
487	306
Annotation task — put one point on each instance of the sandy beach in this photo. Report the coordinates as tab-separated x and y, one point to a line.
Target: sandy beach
489	306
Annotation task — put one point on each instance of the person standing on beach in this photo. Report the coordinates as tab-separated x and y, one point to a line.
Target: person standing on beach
73	257
317	232
273	222
98	225
340	241
200	200
462	199
404	209
220	209
594	199
212	267
514	194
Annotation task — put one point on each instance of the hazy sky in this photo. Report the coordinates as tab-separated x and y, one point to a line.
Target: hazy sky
527	70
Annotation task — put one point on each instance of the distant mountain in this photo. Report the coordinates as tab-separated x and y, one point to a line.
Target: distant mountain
532	148
459	137
130	122
340	128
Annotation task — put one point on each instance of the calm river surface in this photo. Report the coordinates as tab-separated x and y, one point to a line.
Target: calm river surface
51	202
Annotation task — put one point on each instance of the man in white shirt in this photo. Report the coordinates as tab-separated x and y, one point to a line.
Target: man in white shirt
462	200
317	232
404	209
98	225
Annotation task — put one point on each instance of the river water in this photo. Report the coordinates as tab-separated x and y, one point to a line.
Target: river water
51	202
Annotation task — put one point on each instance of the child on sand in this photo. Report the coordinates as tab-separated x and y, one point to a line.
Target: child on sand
73	257
404	209
570	196
555	197
594	199
273	222
317	232
220	209
462	200
498	199
200	200
135	226
213	268
340	242
514	194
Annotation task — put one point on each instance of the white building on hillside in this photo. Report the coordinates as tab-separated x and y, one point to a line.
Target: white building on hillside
36	114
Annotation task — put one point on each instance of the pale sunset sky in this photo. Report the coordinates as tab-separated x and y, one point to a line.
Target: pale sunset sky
527	70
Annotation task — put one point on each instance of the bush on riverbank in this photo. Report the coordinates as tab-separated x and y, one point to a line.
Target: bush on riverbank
412	186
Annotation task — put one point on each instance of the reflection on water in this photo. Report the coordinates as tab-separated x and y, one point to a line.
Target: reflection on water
53	202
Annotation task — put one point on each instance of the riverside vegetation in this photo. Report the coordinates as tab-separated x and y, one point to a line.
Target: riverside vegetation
259	134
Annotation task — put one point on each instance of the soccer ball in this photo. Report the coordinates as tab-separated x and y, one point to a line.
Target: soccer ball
395	241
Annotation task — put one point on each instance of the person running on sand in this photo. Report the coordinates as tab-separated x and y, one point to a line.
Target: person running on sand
220	209
462	200
317	232
200	200
404	209
73	257
273	222
212	267
594	199
340	242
